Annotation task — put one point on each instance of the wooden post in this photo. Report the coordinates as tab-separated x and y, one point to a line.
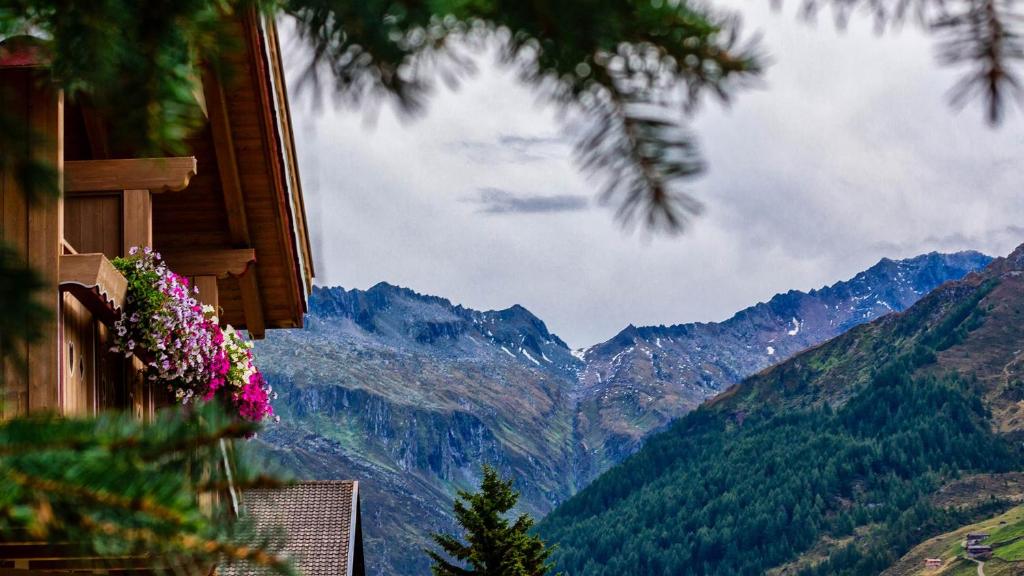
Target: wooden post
208	293
45	232
138	399
14	230
137	219
137	230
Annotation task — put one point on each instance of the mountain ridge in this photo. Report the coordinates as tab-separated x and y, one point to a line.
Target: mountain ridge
844	444
410	393
677	367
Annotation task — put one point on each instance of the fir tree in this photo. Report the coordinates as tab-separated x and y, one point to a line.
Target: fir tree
496	547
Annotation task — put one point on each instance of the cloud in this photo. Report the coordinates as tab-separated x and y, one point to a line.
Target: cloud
814	178
1011	235
512	149
497	201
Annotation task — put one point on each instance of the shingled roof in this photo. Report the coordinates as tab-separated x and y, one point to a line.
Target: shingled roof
320	523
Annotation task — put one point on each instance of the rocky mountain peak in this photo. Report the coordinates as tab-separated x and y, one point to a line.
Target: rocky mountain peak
1014	263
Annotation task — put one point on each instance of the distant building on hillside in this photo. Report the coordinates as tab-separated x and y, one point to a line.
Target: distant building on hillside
975	537
979	550
933	563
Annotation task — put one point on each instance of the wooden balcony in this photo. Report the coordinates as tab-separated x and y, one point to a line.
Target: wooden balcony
94	282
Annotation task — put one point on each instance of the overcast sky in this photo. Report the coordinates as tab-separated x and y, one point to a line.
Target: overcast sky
847	153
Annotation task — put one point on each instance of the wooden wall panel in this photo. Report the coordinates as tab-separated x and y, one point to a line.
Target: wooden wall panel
193	218
78	364
92	223
111	393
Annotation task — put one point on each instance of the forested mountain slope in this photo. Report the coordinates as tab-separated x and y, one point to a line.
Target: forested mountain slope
836	450
645	377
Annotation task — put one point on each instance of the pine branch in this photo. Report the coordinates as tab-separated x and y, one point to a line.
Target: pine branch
137	500
84	437
191	545
252	483
611	62
983	36
85	494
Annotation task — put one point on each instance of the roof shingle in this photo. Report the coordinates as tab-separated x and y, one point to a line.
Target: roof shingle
319	520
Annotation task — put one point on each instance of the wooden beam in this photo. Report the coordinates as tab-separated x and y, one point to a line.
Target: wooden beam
92	565
234	200
14	230
32	550
135	571
227	163
219	263
156	174
288	145
251	307
269	127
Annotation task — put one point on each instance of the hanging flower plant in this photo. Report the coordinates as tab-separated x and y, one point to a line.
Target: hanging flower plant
163	323
181	342
235	378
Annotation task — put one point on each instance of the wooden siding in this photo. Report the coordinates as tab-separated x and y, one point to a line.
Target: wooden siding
92	223
79	364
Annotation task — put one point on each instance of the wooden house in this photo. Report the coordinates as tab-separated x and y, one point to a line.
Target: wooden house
229	215
976	537
979	550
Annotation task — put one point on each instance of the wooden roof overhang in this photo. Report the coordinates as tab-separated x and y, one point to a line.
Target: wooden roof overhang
246	196
242	217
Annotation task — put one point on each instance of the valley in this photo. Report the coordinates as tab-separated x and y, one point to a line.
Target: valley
411	393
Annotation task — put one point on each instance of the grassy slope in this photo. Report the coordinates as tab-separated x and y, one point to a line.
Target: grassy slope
1006	530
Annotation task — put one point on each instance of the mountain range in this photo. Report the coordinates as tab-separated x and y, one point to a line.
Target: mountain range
410	393
836	461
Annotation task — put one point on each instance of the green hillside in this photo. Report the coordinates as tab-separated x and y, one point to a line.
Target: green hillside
1006	536
836	452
